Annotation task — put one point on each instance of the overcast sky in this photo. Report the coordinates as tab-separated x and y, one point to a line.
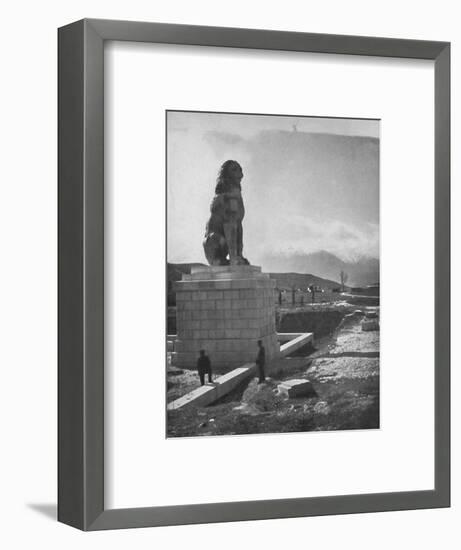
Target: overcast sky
309	183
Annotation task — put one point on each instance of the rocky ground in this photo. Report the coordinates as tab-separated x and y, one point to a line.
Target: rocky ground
180	382
343	370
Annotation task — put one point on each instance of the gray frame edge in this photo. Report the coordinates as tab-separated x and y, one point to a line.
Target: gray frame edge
81	274
70	283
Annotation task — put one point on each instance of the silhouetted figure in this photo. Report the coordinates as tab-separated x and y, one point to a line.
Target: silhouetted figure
261	361
203	367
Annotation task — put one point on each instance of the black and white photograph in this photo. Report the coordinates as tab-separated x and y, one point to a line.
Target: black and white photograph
273	273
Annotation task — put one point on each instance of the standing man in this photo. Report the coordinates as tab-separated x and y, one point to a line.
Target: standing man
204	367
260	361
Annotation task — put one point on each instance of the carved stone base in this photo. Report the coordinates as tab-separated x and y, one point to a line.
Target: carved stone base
224	310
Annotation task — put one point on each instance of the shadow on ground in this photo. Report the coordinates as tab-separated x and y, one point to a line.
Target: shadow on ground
45	509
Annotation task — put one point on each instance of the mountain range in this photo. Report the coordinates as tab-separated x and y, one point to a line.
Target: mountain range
361	271
285	281
301	270
288	281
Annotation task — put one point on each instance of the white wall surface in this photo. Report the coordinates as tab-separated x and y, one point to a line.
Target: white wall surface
28	274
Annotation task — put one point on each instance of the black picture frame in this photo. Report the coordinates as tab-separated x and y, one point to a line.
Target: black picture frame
81	274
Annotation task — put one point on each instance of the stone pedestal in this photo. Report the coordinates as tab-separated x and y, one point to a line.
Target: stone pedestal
224	310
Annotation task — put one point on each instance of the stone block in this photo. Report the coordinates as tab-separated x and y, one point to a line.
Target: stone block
236	284
296	388
223	285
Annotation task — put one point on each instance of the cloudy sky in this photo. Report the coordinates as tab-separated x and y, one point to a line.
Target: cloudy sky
309	183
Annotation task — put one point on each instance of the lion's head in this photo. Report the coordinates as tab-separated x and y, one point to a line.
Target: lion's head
229	177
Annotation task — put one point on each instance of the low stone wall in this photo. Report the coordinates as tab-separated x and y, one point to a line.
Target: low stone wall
211	392
294	342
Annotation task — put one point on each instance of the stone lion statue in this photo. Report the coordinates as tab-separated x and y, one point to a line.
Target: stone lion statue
223	243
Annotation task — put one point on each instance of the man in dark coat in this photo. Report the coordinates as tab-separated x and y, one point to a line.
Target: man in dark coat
203	367
261	361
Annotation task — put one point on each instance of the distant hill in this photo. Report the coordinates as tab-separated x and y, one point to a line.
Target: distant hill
283	280
361	272
175	273
287	281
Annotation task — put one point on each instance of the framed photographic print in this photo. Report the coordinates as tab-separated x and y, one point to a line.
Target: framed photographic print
253	274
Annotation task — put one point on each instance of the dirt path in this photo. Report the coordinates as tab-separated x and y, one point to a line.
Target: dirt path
352	353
